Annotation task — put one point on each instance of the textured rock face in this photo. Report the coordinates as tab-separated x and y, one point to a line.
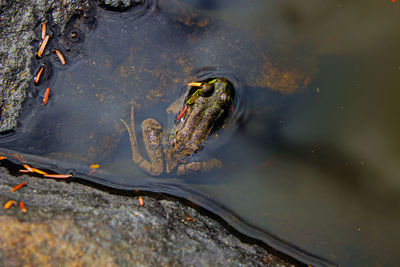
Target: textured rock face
19	33
71	223
118	5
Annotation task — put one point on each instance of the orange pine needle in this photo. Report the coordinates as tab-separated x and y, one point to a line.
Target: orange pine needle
9	204
197	84
46	96
39	171
37	77
93	168
15	188
44	30
189	218
29	168
2	157
43	46
22	206
182	112
19	157
141	201
57	176
60	56
23	170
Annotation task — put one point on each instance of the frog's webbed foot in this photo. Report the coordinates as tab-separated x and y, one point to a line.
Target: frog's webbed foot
195	167
152	133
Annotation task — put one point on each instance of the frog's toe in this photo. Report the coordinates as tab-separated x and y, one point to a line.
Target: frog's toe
203	166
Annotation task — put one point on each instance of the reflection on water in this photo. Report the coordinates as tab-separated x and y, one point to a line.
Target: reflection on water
312	164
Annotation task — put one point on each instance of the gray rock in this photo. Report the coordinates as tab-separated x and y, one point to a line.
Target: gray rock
70	222
118	5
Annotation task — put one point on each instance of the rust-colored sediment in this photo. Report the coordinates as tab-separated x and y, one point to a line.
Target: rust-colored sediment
282	80
49	243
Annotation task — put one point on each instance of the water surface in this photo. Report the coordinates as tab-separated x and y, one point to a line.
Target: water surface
310	160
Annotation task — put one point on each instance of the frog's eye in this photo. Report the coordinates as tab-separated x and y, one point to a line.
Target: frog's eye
206	89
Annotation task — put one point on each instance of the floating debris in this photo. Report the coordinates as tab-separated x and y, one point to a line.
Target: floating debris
37	77
28	168
196	84
39	171
43	46
19	157
182	112
57	176
60	56
44	30
46	96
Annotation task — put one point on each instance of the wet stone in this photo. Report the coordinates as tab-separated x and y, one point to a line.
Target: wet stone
73	223
118	5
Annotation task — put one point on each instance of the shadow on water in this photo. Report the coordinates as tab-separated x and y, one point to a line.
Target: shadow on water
310	151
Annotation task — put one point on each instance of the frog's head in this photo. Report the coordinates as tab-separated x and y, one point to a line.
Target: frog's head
212	100
214	92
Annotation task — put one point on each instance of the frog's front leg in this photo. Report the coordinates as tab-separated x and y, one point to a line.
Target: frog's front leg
196	167
152	134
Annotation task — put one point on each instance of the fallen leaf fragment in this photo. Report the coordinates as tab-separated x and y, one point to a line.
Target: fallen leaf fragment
19	157
29	168
22	206
43	46
15	188
60	56
44	30
46	96
9	204
182	112
141	201
39	171
197	84
37	77
58	176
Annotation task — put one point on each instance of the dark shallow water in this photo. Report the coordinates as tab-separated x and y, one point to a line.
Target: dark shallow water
311	155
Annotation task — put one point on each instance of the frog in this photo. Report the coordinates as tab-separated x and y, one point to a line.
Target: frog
204	109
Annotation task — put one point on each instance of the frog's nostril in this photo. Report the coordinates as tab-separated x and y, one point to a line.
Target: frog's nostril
223	97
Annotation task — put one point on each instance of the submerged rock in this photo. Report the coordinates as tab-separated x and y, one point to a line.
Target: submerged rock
68	223
118	5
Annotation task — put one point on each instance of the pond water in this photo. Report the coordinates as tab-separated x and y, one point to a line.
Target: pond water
311	152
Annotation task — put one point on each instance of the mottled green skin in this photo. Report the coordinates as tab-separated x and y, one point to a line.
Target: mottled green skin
197	123
204	111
